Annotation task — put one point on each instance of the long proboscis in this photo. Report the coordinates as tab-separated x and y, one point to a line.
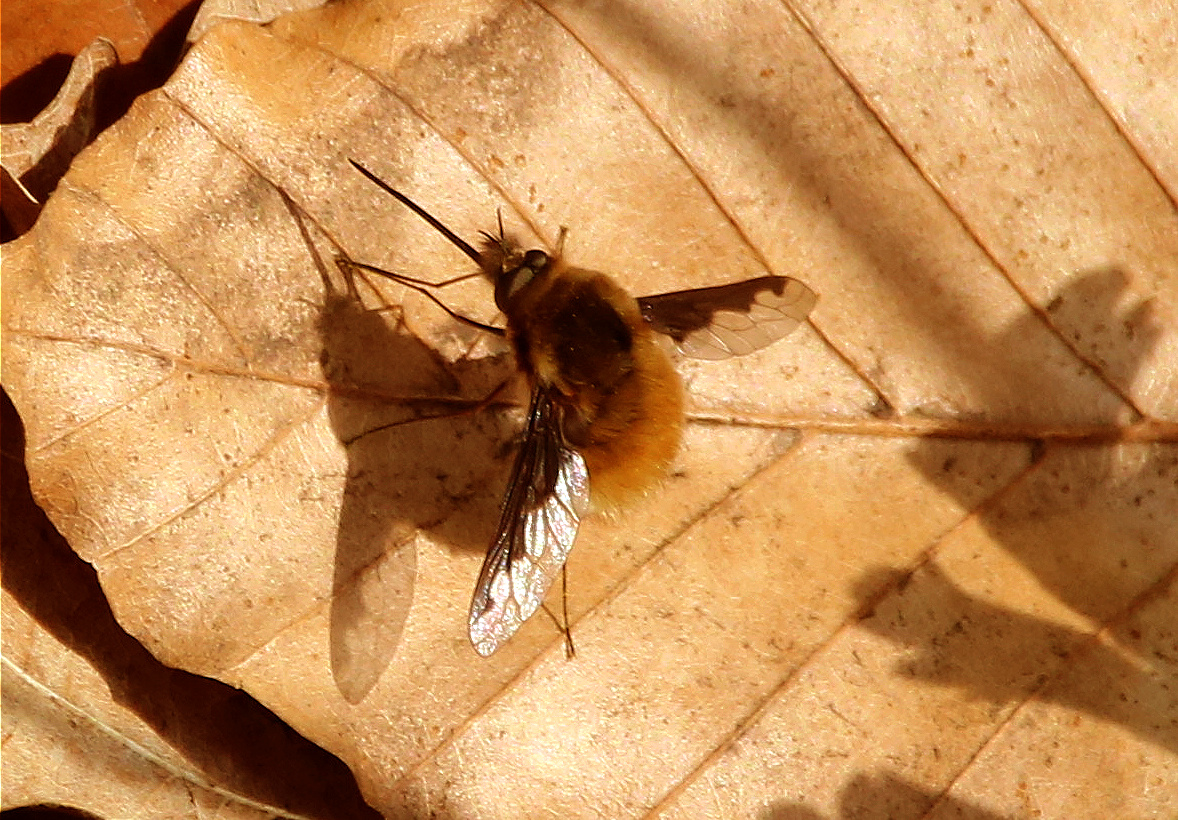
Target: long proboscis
458	241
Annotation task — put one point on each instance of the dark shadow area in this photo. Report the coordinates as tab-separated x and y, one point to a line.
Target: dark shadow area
888	797
47	813
224	733
1077	484
26	95
153	68
883	797
1094	523
789	811
21	202
996	654
421	457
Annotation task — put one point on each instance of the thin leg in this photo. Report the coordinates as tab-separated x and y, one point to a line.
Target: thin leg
565	628
345	264
570	651
482	404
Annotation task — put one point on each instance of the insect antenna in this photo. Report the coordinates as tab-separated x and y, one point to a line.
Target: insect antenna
458	241
421	285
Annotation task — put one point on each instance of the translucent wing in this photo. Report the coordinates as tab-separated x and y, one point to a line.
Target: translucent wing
548	493
729	320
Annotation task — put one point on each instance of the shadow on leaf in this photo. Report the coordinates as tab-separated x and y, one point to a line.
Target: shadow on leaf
237	743
882	797
1093	523
422	456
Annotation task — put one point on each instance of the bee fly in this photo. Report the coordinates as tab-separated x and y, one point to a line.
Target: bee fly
606	412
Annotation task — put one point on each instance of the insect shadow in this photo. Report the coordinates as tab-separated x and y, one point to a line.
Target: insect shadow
421	455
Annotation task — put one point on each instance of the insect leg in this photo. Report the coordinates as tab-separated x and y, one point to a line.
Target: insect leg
474	407
562	623
348	267
570	651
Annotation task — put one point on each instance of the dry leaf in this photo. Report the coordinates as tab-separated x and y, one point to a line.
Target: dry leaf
37	153
92	719
215	12
903	552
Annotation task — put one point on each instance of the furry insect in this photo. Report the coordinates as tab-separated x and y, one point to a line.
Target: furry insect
606	412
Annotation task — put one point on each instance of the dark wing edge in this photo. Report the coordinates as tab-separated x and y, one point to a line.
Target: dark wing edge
546	496
729	320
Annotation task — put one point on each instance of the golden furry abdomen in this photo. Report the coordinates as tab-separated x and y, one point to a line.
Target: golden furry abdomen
631	446
620	396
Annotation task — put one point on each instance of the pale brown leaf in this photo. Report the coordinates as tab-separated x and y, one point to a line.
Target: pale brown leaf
904	551
92	720
36	154
69	742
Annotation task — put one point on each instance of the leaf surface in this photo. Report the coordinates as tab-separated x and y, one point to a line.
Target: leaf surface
927	535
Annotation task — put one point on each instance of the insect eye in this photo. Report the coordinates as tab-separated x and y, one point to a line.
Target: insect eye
534	263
